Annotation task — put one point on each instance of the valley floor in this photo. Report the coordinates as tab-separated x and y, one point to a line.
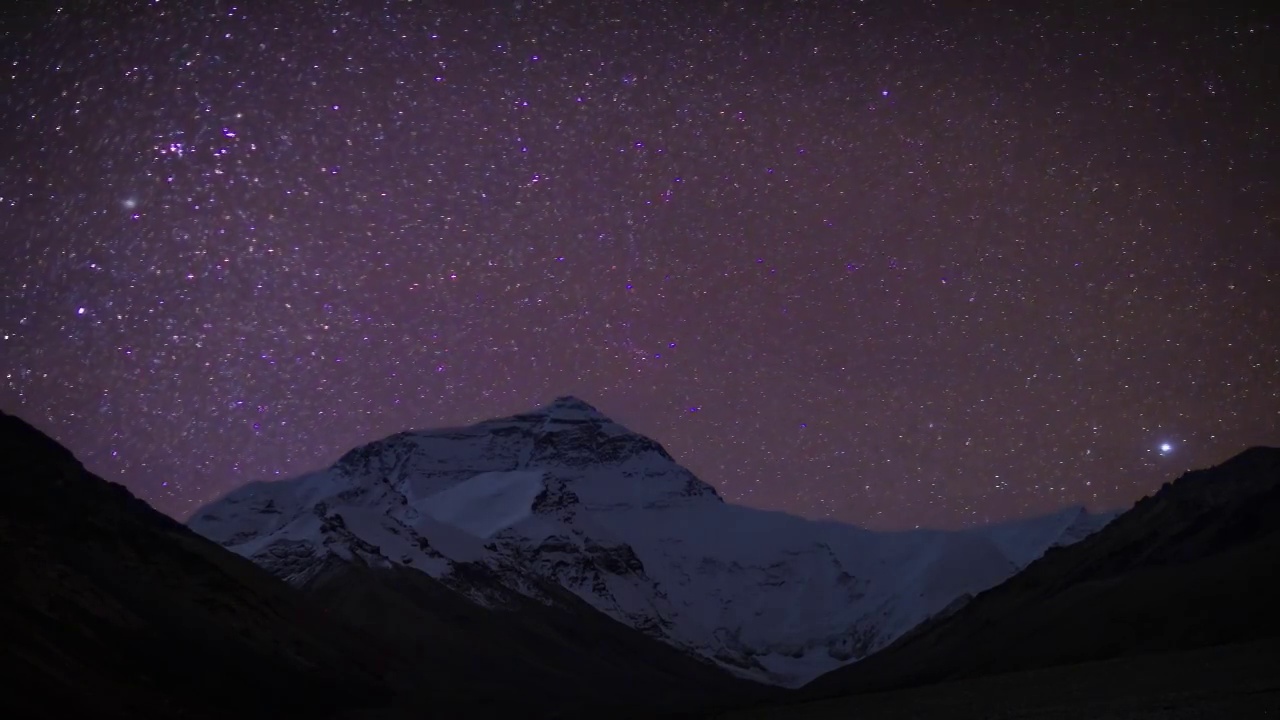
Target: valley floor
1234	681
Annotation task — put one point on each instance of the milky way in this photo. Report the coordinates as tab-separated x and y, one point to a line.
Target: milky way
898	267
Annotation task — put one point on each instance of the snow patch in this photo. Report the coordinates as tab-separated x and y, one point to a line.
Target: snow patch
487	502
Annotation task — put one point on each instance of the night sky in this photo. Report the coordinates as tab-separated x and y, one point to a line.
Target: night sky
900	264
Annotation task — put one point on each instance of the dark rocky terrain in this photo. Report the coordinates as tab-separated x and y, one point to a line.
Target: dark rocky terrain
566	656
111	609
1235	682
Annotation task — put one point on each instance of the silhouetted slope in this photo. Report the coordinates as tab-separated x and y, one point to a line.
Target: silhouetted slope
1192	566
111	609
561	660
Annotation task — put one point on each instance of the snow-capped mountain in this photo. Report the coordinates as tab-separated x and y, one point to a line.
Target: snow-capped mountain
567	495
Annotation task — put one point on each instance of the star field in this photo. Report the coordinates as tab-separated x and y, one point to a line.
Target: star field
910	265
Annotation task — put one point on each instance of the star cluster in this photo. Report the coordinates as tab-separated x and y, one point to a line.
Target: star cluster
896	264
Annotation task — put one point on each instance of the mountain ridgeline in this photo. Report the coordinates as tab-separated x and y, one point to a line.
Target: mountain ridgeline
555	564
565	499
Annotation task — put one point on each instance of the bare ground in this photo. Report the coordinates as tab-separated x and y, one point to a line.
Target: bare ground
1227	682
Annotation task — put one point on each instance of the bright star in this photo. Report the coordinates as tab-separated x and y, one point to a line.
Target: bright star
1166	448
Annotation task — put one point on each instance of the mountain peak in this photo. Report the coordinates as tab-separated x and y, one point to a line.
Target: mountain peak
571	404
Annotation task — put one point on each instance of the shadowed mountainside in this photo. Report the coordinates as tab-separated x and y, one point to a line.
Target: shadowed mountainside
1190	567
1237	681
112	609
567	657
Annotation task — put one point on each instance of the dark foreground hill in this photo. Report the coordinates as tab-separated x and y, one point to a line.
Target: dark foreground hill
527	657
111	609
1175	601
1192	566
1223	682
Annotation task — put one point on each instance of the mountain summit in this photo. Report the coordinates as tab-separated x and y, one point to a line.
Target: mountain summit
563	497
570	405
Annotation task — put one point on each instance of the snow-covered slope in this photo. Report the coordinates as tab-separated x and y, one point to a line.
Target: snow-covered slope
565	494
